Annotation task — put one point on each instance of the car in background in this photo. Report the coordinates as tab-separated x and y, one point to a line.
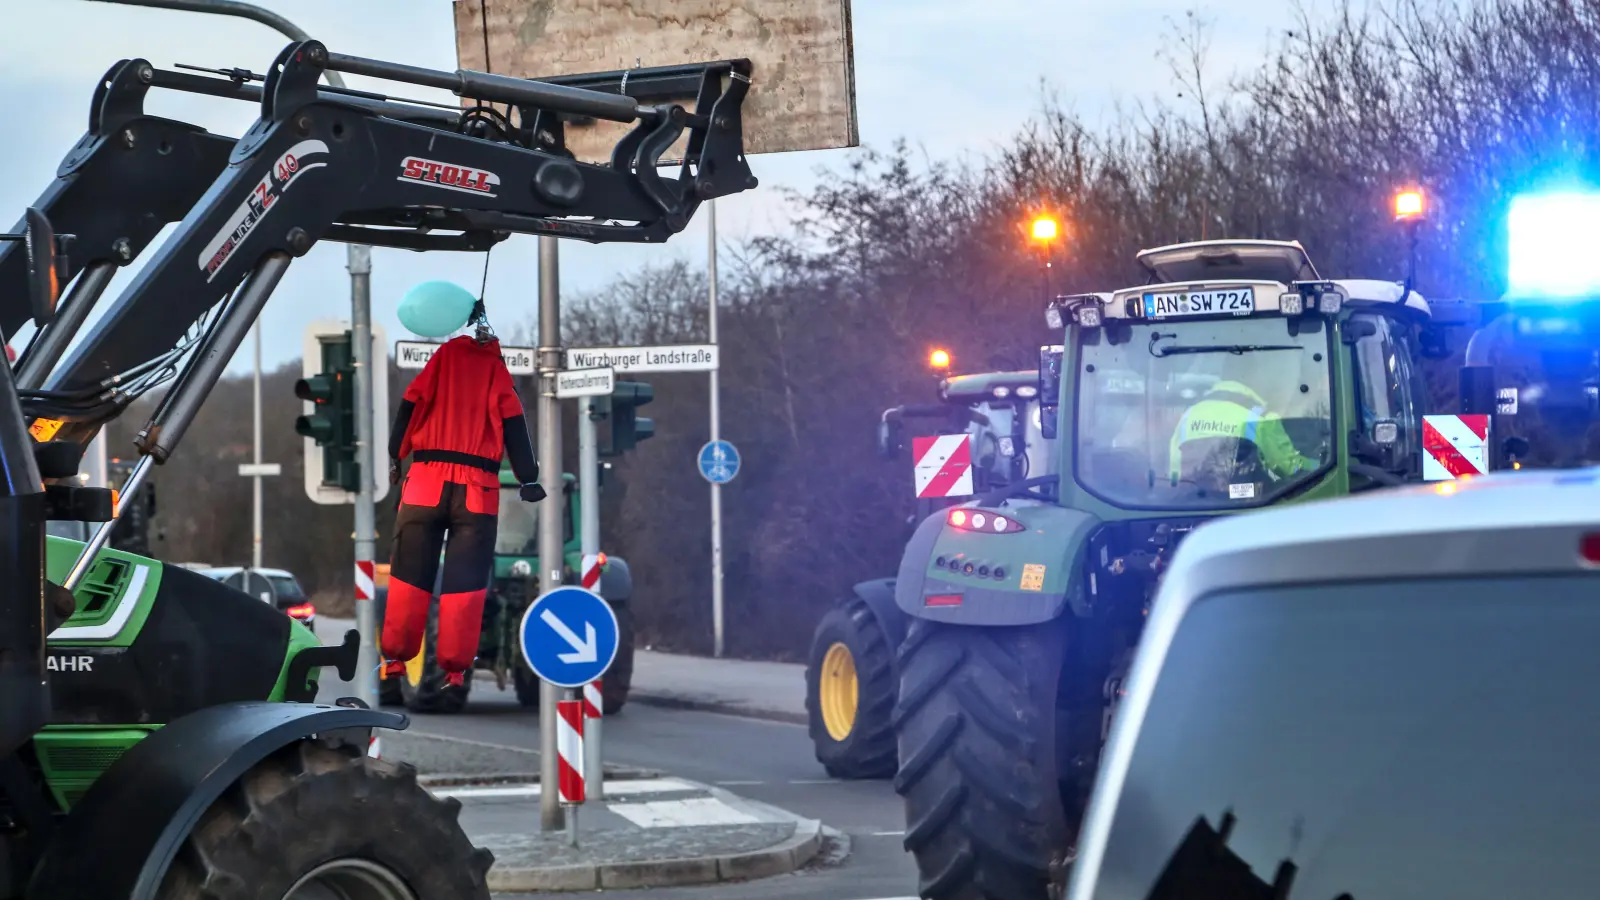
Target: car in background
278	587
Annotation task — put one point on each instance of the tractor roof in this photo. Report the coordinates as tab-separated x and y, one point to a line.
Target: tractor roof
981	385
1226	260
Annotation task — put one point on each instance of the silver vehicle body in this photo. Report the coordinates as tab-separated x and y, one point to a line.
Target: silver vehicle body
1453	557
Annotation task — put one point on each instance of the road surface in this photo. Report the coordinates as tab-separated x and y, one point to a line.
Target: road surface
766	761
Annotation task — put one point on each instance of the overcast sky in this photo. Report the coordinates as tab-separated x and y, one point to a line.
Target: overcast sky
952	76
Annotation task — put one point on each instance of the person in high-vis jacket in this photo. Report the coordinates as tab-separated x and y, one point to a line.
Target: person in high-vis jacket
457	420
1218	427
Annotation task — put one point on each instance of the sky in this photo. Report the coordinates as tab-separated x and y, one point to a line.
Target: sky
954	78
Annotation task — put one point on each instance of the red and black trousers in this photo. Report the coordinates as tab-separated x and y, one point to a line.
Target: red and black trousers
443	507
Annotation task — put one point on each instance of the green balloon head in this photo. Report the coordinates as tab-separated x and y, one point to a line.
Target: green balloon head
435	309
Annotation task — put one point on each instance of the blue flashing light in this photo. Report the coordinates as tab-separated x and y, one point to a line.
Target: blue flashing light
1554	238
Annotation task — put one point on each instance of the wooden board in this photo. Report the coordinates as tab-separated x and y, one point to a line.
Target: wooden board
802	94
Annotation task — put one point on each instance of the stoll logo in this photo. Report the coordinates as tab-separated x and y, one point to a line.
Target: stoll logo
444	175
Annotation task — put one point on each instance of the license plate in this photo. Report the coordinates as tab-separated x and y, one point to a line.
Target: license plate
1232	301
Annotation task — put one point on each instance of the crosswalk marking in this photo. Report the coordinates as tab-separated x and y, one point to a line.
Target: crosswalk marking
680	813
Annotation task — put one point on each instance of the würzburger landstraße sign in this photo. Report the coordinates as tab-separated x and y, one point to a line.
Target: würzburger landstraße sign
672	358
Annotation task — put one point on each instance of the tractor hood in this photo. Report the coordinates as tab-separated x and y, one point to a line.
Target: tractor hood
981	385
1232	260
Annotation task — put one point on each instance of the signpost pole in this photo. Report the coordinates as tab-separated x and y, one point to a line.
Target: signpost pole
716	435
551	817
589	539
255	490
366	528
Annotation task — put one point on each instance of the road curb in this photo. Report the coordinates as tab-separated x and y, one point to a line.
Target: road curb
672	701
780	859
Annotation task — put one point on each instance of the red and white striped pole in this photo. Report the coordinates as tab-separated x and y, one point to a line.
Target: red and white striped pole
593	698
366	581
569	750
593	710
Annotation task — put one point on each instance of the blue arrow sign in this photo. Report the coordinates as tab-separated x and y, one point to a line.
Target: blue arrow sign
569	636
719	462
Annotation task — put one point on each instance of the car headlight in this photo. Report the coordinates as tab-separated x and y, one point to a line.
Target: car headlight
522	568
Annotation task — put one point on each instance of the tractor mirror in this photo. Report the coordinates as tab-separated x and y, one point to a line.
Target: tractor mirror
1358	328
1433	343
888	439
44	267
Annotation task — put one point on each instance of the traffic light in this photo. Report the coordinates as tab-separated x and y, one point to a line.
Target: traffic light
332	423
625	428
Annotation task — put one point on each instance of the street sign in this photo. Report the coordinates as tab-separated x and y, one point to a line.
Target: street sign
415	355
719	462
263	469
569	636
672	358
585	383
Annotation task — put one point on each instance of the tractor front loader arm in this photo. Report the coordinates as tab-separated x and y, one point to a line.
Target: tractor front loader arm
316	167
128	177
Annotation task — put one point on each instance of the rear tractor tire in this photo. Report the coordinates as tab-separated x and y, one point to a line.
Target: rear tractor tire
315	821
850	693
976	723
423	688
618	680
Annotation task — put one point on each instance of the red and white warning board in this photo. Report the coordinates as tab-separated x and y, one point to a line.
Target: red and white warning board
365	582
1453	446
569	748
943	466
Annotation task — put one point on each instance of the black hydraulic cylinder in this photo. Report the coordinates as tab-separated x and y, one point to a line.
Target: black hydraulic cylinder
167	427
47	350
499	88
24	691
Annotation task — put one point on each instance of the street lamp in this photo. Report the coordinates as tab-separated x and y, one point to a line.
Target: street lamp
939	360
1044	231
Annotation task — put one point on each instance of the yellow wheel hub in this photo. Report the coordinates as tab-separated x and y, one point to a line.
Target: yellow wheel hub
414	665
837	690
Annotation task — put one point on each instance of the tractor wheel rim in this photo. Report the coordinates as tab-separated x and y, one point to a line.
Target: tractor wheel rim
838	690
414	665
350	879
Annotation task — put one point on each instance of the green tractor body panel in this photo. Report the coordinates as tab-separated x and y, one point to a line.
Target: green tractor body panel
149	643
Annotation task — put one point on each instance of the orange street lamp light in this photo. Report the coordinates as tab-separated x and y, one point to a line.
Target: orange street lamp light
1409	205
1045	229
939	359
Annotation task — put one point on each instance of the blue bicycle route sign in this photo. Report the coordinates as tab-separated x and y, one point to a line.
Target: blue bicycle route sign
719	462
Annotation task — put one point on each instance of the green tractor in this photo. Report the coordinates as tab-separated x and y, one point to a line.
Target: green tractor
1026	603
160	738
515	585
851	676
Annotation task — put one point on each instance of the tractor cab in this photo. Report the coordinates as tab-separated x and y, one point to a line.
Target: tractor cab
1237	378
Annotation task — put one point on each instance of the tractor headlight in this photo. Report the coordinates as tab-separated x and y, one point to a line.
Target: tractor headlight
1291	304
1330	301
1052	317
1089	316
521	568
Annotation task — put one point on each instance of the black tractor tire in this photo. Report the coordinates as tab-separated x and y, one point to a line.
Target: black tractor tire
849	639
527	685
976	723
618	680
388	688
431	694
351	819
